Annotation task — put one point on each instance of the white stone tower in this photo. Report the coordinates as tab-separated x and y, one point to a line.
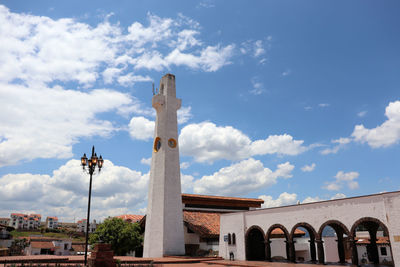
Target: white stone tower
164	219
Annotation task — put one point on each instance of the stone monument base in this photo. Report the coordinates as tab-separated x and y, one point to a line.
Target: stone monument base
102	256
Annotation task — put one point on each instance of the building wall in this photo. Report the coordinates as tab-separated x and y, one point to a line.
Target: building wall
331	251
278	247
384	207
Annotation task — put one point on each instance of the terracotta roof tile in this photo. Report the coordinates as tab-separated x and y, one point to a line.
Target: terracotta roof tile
383	240
256	200
42	244
205	224
130	217
279	232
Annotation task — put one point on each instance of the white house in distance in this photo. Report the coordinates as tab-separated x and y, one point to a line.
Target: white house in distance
48	246
51	222
25	221
81	226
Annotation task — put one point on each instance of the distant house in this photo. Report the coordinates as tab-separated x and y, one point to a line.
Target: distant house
81	226
51	222
131	218
25	221
5	237
5	221
48	246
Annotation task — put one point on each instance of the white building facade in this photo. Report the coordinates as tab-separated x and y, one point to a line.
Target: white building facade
81	226
25	221
374	213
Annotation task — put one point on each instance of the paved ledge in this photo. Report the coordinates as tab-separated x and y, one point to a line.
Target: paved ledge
157	262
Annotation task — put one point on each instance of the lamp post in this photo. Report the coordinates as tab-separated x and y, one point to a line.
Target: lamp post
91	164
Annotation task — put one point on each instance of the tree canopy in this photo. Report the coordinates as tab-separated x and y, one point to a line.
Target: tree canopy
123	236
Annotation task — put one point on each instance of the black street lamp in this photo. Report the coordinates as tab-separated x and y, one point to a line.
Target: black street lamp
91	163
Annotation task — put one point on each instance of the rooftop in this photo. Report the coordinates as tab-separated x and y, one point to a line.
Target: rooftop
130	217
221	201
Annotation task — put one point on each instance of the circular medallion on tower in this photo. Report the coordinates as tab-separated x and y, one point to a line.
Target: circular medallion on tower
157	144
172	143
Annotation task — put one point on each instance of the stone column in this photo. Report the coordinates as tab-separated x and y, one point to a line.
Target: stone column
291	250
268	250
321	254
340	245
312	250
354	254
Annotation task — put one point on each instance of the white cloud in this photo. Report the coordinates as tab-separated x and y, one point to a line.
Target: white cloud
343	178
278	144
141	128
146	161
317	198
338	196
129	79
257	49
207	142
308	168
184	114
284	199
186	183
116	190
362	113
324	105
258	87
205	4
39	56
312	199
185	165
45	123
241	178
384	135
286	72
342	142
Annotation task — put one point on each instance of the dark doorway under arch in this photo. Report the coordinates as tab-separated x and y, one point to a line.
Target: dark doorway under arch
255	245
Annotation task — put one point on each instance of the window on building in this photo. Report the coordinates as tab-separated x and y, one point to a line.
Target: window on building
189	231
383	251
229	239
233	239
65	246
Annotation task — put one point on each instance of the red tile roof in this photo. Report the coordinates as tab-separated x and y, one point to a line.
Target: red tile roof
205	224
279	232
382	240
220	200
42	244
18	214
130	217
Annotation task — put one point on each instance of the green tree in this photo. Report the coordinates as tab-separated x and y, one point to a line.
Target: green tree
123	236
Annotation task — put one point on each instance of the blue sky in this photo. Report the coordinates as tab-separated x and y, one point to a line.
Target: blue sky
284	100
